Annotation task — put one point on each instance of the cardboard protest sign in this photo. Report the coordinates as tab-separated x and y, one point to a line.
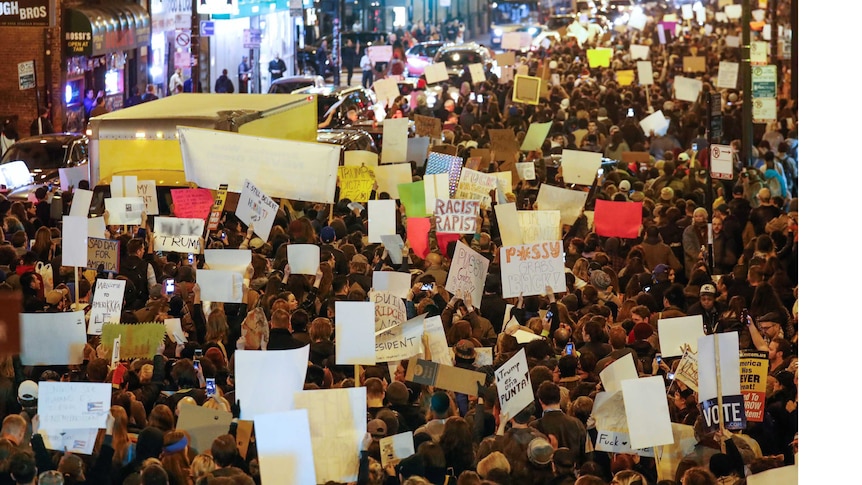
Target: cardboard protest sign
386	90
599	57
445	377
694	64
675	333
235	260
356	183
686	370
413	198
417	150
529	268
457	216
539	226
192	203
753	368
728	75
655	122
73	405
80	441
220	285
107	304
256	208
639	52
138	339
381	219
645	75
74	241
467	273
503	143
475	185
303	258
484	155
337	426
390	176
509	224
203	425
81	203
284	449
437	341
618	371
395	448
179	235
514	389
449	164
436	72
686	89
354	333
733	406
358	158
394	146
124	210
647	414
527	89
401	341
252	370
580	167
568	202
618	219
506	59
428	126
526	170
53	338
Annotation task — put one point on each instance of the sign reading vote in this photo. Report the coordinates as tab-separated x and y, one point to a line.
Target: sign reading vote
457	216
529	268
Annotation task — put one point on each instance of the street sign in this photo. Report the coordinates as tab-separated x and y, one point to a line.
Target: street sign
251	38
207	28
721	162
764	81
26	75
183	37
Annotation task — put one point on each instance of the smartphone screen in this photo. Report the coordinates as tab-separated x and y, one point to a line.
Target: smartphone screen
427	286
191	258
170	286
658	358
211	387
570	348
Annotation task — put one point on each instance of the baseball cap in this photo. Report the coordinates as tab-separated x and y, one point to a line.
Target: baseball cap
28	391
377	428
707	289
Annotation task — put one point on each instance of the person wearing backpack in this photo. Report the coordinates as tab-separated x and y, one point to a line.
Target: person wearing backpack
774	176
791	169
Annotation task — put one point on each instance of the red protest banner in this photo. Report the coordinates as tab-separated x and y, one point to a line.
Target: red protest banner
618	219
192	203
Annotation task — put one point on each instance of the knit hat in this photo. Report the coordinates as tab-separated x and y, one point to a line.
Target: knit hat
600	280
642	331
540	451
397	393
666	193
327	234
377	428
149	443
440	402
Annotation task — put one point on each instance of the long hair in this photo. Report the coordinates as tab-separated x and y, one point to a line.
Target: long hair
176	461
121	442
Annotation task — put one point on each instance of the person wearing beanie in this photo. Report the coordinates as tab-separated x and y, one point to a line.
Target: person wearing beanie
440	412
149	445
328	235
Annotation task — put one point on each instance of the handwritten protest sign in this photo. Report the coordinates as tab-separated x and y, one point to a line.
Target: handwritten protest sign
728	74
389	310
178	235
503	143
147	192
79	441
457	216
354	333
538	226
467	273
400	342
255	208
437	340
138	339
284	449
337	423
380	53
53	338
428	126
107	304
192	203
568	202
675	333
513	385
753	367
73	405
217	208
529	268
686	370
251	377
356	183
646	412
475	185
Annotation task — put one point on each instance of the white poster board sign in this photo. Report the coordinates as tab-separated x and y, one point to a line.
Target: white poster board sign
467	273
74	405
618	371
674	333
539	225
396	448
580	167
107	304
645	75
646	412
393	282
655	123
477	73
394	149
146	190
255	208
529	268
437	341
303	258
687	89
254	386
235	260
728	74
124	211
220	285
74	241
401	341
728	354
570	203
53	338
436	72
284	447
381	219
354	333
514	389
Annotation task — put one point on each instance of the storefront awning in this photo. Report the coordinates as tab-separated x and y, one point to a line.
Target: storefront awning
96	29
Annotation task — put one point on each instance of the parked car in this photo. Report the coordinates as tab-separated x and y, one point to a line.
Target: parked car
307	57
43	156
340	101
420	55
350	138
458	57
290	84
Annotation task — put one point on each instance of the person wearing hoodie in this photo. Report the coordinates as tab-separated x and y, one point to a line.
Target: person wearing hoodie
149	445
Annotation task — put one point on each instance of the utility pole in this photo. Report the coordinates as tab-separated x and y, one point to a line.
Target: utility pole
747	128
195	45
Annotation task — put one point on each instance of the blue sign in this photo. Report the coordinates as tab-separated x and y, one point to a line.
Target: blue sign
207	28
